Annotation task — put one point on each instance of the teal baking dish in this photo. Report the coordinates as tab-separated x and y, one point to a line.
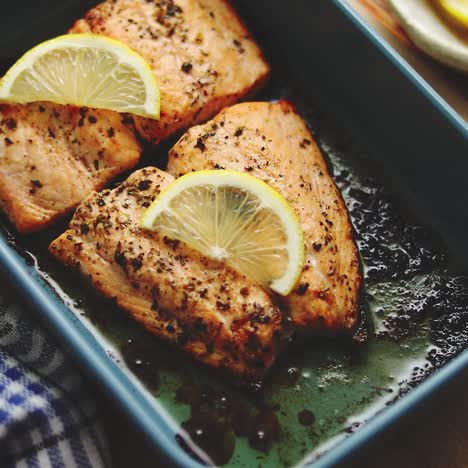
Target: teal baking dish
399	155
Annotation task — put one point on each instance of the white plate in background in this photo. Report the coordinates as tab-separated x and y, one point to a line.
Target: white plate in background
430	33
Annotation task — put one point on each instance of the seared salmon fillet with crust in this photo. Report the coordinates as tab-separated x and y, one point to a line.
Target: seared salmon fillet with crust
272	142
201	305
52	157
202	55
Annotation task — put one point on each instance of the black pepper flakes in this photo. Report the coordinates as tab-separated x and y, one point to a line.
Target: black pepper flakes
173	243
223	305
137	263
302	289
186	67
238	46
200	145
36	183
120	259
11	124
144	185
127	120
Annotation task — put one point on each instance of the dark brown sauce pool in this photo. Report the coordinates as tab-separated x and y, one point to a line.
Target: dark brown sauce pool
415	318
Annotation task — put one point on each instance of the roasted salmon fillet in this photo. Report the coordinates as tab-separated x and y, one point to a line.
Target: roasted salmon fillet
204	307
52	157
200	52
273	143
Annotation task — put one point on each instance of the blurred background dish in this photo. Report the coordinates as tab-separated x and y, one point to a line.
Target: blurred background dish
424	23
455	11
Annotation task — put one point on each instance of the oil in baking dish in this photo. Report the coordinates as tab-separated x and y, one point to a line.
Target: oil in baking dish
415	318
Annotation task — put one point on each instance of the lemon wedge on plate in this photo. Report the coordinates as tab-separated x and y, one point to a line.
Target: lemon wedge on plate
235	218
428	30
84	70
456	11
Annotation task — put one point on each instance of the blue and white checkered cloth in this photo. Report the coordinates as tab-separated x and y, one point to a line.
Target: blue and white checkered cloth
47	416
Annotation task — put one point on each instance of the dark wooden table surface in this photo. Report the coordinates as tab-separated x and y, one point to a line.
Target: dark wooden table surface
434	435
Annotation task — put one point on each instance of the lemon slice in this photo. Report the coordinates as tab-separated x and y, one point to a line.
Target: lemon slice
456	10
84	70
236	218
